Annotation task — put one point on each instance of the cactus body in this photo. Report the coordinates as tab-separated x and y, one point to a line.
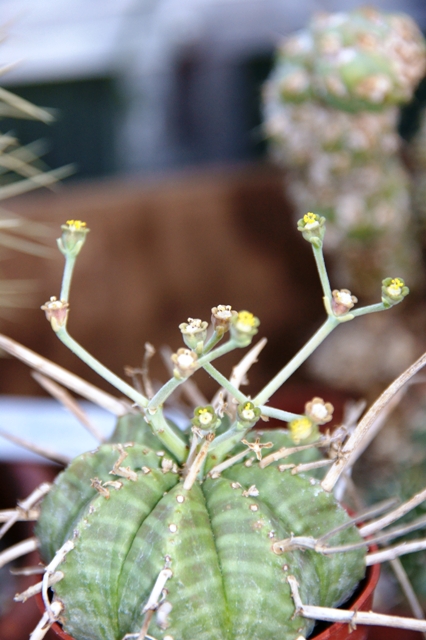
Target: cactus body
216	537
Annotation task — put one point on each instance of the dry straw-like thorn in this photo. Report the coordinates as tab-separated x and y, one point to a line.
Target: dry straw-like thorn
362	435
351	617
407	589
396	514
123	472
30	514
198	463
18	550
36	588
69	403
22	510
366	514
217	470
54	456
50	570
28	571
397	550
47	620
64	377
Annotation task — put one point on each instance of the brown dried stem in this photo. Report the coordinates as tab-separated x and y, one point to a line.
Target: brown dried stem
355	444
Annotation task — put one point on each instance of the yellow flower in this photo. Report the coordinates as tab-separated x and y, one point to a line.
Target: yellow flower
311	220
300	429
395	286
312	227
244	327
78	225
393	291
246	322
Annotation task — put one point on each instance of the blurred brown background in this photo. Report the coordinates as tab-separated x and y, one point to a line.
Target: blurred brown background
161	250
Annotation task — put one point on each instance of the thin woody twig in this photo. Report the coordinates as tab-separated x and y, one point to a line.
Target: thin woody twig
36	588
308	542
356	442
47	620
285	452
228	463
54	456
394	552
61	375
50	570
407	589
21	512
69	403
404	508
353	618
18	550
198	463
360	517
305	466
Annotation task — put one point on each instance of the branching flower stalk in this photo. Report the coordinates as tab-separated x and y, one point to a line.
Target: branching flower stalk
156	502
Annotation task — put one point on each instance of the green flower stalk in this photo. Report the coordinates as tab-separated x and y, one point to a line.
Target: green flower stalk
70	243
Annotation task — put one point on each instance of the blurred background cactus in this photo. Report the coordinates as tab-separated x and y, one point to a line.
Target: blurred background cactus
331	115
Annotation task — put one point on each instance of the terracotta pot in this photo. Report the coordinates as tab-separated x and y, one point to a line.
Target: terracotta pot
362	600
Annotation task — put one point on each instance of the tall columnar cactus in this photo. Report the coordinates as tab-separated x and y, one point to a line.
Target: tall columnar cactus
212	532
331	112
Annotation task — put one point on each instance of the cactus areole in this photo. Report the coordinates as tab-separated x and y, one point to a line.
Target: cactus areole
209	548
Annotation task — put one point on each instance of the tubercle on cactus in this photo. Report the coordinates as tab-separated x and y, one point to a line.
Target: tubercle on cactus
182	535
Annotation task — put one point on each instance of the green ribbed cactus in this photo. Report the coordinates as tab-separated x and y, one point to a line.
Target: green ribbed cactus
216	538
330	112
214	531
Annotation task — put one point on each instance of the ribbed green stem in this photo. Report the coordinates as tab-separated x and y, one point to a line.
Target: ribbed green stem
297	361
97	366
